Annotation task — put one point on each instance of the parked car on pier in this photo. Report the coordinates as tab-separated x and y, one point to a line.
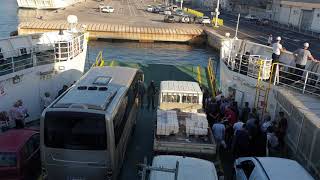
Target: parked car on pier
179	12
156	10
167	12
250	17
19	154
185	19
107	9
263	22
205	20
149	8
169	19
269	168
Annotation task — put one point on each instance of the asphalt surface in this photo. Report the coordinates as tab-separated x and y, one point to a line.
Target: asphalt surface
126	12
256	33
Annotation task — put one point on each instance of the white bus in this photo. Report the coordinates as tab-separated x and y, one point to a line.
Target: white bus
85	131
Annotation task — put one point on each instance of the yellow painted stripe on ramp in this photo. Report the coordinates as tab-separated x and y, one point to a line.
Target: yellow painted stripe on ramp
112	63
199	74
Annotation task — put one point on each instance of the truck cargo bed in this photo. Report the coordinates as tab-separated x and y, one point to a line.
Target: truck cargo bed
181	143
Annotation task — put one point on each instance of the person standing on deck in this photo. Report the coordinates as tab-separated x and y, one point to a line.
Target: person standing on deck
240	144
282	128
47	100
61	91
245	112
237	126
302	56
218	131
270	39
230	115
141	91
18	113
277	49
151	93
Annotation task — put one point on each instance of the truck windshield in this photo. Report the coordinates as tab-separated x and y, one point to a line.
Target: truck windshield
75	130
8	159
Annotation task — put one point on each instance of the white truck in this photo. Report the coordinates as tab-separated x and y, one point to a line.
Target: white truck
168	167
182	127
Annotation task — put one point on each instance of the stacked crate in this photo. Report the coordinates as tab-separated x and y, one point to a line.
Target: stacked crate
167	123
197	124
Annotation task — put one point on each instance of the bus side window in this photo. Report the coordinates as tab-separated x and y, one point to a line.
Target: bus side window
119	121
127	104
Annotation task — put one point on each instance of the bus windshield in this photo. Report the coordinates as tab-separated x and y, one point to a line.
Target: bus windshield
75	130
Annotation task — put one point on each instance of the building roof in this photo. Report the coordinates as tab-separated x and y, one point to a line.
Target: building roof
97	88
180	86
304	4
189	168
13	140
279	169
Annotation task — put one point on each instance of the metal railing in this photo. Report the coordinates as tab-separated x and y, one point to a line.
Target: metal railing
250	65
302	80
61	51
28	60
65	50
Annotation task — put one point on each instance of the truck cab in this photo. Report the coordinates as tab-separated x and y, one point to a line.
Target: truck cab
182	95
171	167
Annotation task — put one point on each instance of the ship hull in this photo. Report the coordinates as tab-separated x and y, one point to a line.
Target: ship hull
30	84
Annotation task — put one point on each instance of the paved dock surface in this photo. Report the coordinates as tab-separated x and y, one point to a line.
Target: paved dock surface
126	12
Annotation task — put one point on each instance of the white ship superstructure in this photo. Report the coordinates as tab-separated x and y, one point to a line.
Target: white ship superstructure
46	4
34	64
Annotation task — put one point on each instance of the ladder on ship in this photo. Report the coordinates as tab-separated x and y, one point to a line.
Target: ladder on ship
212	78
263	87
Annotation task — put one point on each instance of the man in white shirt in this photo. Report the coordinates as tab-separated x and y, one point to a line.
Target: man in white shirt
46	100
17	114
237	126
218	131
302	56
276	48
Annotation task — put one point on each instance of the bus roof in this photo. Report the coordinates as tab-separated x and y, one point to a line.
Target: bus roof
180	86
97	88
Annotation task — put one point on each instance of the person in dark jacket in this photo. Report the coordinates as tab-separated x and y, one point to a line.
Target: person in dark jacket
241	142
141	92
151	93
245	112
61	91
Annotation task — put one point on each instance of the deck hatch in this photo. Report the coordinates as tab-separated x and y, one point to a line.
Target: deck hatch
102	80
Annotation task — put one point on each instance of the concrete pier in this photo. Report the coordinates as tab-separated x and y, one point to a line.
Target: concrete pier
120	31
130	21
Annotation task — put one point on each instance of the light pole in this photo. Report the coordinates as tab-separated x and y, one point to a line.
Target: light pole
217	14
236	35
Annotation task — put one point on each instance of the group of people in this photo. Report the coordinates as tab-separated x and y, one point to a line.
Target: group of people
302	55
151	92
242	131
18	112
